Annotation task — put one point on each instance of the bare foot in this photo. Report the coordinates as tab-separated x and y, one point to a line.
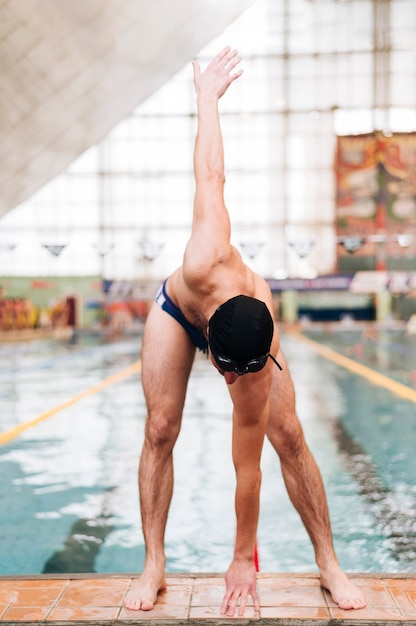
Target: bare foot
343	591
143	594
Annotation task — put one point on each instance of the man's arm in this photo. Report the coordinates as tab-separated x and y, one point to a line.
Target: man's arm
250	415
211	229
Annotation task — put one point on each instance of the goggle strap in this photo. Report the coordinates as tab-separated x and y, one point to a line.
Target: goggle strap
273	359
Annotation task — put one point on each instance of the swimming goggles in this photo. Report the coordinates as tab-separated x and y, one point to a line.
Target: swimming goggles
251	366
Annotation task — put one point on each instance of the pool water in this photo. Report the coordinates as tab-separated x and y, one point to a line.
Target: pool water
68	494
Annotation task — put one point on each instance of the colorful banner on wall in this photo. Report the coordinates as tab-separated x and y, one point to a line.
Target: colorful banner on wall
376	194
397	156
356	193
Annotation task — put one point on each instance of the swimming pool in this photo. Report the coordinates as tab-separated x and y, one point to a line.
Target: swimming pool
68	494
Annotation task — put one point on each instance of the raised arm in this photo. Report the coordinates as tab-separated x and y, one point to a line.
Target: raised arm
211	224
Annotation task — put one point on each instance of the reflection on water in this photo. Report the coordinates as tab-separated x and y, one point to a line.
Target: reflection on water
68	495
394	518
80	548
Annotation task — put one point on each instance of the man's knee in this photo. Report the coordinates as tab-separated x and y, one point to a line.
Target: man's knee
287	437
162	429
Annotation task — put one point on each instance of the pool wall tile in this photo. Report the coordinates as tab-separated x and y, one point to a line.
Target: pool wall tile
26	614
295	613
78	614
288	599
97	593
160	612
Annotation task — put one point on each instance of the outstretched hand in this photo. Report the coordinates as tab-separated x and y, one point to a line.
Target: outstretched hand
240	581
217	77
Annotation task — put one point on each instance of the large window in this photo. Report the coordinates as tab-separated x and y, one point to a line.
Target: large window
312	69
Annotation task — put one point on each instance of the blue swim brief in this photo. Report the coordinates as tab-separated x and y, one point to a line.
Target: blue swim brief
197	338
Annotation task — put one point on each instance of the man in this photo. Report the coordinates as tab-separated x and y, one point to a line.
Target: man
215	302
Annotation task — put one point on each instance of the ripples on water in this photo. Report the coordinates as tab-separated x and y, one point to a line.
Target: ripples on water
68	495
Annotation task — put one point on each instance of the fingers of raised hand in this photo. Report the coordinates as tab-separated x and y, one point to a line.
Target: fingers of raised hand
227	59
223	53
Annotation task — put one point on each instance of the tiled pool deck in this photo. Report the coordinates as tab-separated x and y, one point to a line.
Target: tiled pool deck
190	599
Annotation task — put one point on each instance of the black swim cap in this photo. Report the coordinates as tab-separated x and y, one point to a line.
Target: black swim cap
241	329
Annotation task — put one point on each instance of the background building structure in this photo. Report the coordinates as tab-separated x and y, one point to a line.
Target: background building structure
315	72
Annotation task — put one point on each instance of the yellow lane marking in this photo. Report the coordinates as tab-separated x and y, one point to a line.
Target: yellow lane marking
362	370
8	435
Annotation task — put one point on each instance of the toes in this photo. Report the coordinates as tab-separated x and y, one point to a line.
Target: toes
137	604
132	604
352	603
147	605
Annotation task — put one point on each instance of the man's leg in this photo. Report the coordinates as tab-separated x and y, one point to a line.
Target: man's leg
167	359
305	488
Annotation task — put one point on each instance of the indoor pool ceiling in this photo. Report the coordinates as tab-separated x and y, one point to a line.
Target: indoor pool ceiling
72	69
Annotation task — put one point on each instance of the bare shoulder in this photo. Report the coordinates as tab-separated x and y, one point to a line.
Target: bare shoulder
204	255
205	268
193	302
262	290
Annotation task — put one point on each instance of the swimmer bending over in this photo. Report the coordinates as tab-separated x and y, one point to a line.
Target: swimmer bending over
216	302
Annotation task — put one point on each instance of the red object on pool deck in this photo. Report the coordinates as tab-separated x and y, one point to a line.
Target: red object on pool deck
256	558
